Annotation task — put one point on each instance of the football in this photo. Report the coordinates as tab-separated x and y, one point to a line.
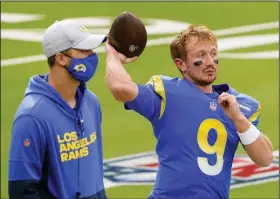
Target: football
128	35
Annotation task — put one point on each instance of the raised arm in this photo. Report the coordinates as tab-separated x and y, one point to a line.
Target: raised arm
141	98
118	80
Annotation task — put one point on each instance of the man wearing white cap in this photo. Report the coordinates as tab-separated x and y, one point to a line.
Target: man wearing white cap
56	145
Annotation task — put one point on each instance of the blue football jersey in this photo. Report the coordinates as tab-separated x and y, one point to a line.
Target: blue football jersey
196	141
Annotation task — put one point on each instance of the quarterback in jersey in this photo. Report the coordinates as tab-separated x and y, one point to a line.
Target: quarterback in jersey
198	125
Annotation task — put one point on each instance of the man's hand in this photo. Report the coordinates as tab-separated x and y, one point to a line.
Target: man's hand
119	56
230	106
260	151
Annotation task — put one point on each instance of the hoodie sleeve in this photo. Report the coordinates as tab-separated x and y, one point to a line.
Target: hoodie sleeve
26	158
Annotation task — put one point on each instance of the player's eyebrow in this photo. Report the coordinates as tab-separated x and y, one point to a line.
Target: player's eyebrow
214	49
200	51
203	51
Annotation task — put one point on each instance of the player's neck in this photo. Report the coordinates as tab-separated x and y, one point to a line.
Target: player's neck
64	84
206	89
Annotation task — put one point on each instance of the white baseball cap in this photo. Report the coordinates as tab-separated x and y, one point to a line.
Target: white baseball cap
66	34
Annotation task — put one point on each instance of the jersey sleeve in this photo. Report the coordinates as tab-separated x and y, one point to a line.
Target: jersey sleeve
255	116
150	99
27	149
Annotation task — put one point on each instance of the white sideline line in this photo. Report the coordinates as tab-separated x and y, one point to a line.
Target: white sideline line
273	54
244	29
167	40
276	153
236	42
42	57
22	60
19	17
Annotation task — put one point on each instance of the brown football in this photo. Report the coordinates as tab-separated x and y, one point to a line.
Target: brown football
128	35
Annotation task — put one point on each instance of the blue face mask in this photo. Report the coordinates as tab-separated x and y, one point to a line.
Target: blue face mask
82	69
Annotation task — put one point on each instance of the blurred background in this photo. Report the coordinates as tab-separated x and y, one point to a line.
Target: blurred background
248	48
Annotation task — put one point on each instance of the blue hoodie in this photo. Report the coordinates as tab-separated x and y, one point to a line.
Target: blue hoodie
56	151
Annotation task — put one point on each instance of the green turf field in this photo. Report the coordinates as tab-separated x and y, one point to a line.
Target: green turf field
248	61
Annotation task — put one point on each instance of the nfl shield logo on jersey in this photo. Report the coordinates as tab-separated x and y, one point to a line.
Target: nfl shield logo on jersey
141	169
213	106
26	142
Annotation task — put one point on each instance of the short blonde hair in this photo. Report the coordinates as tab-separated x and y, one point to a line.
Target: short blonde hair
178	45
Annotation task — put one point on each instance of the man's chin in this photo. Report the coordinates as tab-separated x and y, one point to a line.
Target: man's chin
207	82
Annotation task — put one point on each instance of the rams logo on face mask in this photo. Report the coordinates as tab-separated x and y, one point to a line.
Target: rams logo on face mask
80	68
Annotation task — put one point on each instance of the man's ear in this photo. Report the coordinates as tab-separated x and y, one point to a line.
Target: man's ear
181	65
60	59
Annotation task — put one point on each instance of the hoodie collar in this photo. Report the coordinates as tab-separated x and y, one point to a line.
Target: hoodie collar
39	85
